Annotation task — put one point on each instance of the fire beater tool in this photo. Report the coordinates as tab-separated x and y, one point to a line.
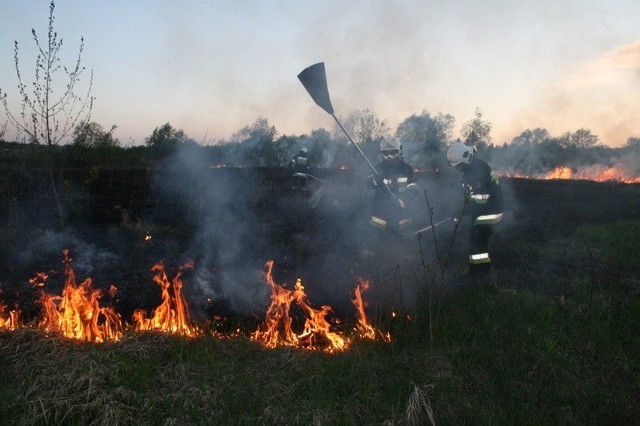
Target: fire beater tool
314	79
435	225
315	178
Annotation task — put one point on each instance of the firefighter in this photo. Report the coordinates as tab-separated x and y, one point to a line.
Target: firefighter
395	191
299	167
483	195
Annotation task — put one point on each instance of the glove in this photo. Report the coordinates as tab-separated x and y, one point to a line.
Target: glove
373	181
467	190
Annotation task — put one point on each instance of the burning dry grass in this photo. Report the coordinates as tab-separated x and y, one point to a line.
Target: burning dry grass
173	313
597	173
77	314
277	328
9	318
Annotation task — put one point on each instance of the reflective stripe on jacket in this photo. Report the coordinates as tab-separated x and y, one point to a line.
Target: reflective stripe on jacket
488	219
479	258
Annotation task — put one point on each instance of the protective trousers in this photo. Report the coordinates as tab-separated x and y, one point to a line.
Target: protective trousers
479	259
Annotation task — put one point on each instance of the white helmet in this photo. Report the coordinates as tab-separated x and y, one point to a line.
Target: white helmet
390	148
460	153
304	150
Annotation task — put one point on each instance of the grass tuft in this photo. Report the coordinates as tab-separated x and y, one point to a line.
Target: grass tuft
419	409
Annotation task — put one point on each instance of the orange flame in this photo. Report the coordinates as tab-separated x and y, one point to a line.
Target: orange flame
559	173
77	314
39	280
598	174
11	321
172	315
363	327
317	330
616	175
277	328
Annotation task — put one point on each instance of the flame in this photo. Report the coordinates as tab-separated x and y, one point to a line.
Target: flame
276	330
317	330
39	280
363	327
172	315
11	321
559	173
77	313
616	175
595	173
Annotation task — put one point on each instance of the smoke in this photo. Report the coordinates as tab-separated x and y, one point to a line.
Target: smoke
240	218
45	250
227	244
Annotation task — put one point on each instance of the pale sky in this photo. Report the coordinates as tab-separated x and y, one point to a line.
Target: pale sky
213	67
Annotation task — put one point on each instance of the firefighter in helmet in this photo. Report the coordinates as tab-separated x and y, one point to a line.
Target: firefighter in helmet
299	167
483	195
395	191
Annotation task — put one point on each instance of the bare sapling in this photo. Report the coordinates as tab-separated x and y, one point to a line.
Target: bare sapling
436	271
50	108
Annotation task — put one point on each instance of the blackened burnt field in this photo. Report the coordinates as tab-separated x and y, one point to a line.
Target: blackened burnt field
231	221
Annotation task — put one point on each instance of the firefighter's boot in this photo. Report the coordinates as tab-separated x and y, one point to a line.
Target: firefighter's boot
482	275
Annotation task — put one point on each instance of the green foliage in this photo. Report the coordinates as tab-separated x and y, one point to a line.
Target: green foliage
256	146
91	134
165	139
319	144
365	127
633	143
424	138
477	132
581	138
531	137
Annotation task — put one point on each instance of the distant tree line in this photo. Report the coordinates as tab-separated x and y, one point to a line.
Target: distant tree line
424	137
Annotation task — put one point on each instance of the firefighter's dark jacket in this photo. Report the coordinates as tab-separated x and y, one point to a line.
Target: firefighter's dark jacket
483	193
398	176
299	163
